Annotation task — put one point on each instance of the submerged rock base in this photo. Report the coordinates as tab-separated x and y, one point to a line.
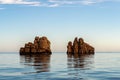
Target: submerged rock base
40	45
78	48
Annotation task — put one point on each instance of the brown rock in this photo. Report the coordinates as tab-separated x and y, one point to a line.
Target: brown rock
27	45
36	46
43	43
81	41
75	47
90	49
27	50
33	50
40	45
79	48
69	49
22	49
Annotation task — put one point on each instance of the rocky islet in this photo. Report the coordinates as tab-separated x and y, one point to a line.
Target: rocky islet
40	45
78	48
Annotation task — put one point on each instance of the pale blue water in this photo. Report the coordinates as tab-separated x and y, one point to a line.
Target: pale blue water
101	66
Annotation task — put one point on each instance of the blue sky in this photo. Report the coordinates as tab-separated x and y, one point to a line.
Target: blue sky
97	21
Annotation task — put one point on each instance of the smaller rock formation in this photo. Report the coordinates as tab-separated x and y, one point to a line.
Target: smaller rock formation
78	48
40	45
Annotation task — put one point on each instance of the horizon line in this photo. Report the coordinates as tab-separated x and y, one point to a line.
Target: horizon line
66	52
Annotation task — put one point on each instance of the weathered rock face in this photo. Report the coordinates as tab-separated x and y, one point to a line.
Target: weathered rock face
40	45
78	48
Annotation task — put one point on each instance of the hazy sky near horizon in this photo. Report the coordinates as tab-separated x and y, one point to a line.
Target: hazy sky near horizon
97	21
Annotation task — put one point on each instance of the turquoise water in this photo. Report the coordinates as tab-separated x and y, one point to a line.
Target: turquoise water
101	66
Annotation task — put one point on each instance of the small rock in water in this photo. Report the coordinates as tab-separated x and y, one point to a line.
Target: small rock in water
40	45
78	48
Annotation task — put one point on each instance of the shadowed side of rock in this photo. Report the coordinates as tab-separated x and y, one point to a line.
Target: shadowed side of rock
78	48
40	45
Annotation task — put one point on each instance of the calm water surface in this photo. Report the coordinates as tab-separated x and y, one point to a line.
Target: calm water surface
101	66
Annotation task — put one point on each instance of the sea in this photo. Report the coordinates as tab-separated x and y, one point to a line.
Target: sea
100	66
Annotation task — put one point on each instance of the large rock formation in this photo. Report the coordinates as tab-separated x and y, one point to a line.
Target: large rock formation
78	48
40	45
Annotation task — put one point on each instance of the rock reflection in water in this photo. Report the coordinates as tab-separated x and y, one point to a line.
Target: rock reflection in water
78	67
40	62
83	62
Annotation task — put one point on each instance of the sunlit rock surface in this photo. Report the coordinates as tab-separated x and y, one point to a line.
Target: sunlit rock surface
40	45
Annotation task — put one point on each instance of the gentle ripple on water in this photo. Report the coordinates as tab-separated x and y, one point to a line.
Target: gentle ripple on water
58	67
